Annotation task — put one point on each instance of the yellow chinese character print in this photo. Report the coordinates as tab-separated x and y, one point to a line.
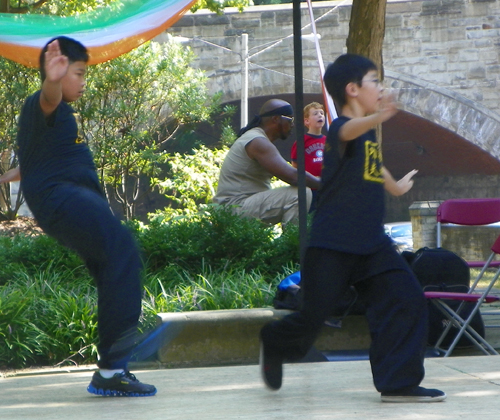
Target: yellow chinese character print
373	162
78	119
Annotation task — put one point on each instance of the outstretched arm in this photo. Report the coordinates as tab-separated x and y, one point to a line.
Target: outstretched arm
357	126
11	175
268	156
400	187
56	66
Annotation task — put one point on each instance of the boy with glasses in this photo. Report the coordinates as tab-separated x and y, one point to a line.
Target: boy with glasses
348	247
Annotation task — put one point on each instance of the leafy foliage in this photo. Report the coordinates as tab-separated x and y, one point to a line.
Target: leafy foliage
21	341
134	104
18	83
212	259
216	238
218	6
29	255
209	291
191	180
67	8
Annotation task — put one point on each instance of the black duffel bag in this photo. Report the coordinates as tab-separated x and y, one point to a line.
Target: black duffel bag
441	270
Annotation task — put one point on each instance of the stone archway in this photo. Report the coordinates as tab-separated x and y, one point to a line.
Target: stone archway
469	122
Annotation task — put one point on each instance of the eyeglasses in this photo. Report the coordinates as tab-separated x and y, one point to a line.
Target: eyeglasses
289	119
376	81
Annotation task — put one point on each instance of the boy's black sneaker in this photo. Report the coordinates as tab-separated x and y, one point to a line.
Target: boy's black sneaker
413	395
271	367
122	384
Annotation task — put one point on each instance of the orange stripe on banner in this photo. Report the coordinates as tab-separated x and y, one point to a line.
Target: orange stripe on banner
27	56
108	52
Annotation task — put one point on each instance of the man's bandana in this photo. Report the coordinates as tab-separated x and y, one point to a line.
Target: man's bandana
257	119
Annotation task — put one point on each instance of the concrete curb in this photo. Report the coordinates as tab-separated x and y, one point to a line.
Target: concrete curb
228	337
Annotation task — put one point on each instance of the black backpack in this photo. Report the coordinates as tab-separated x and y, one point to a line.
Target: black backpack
438	269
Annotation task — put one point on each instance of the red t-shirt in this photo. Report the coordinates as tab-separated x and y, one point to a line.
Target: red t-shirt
313	153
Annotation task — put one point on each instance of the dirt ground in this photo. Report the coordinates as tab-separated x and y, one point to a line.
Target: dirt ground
22	224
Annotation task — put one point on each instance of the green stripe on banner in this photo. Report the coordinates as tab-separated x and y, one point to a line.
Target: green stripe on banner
25	26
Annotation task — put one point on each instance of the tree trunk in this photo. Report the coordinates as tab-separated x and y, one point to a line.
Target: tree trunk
367	30
366	35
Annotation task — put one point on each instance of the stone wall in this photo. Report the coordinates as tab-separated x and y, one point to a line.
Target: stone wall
450	43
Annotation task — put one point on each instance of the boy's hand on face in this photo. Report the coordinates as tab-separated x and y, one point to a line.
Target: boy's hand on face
387	106
56	64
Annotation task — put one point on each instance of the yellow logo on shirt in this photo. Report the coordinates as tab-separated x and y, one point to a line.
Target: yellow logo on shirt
373	162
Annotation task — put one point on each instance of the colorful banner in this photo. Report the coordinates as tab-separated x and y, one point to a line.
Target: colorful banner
106	32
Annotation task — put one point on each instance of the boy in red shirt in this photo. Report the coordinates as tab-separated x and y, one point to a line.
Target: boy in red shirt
314	143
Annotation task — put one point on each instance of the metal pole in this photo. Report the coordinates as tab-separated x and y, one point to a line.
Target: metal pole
299	126
244	80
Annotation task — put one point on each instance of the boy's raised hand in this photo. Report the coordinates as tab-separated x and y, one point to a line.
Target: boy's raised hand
56	64
387	106
406	182
400	187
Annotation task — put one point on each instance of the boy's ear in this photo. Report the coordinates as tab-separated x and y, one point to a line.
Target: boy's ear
352	89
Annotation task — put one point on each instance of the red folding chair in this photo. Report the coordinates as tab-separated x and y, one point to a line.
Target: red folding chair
469	212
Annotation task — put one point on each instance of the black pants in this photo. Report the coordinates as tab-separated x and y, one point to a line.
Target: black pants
396	311
85	223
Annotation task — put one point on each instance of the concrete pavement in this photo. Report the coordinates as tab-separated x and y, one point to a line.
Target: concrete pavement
327	390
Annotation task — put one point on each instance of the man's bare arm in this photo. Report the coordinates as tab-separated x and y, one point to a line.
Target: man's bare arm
268	156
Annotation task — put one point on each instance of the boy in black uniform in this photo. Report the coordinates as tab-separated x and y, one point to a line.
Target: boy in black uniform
348	246
61	187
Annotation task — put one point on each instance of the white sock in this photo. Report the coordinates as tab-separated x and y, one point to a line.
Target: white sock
109	373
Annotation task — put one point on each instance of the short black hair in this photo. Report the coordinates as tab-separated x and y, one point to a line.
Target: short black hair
347	68
71	48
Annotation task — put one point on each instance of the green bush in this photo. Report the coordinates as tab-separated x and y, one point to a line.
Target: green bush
210	260
21	341
217	238
44	320
30	254
210	290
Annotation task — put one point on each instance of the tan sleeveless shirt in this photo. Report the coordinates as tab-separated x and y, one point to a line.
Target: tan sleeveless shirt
240	176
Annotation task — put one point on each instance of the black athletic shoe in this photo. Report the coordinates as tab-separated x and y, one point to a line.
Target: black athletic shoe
413	395
122	384
271	367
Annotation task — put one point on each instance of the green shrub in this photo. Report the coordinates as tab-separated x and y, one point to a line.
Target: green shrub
30	254
211	260
209	290
21	341
46	321
57	320
215	237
